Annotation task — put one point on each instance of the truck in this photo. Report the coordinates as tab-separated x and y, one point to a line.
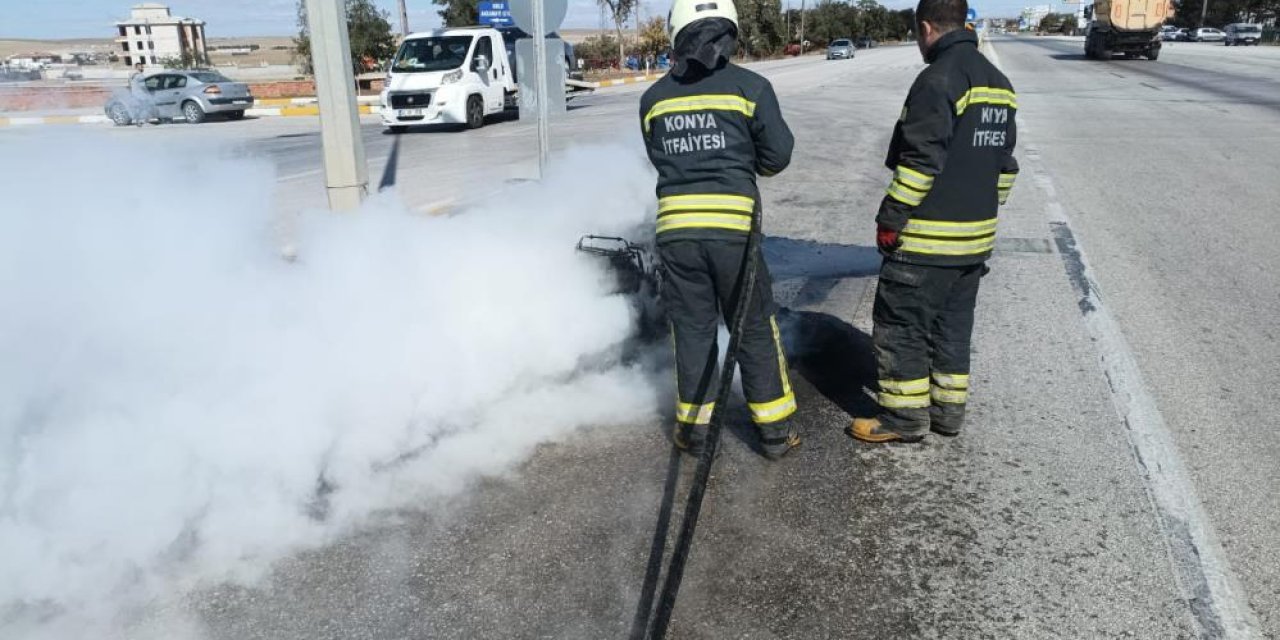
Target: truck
458	75
1128	27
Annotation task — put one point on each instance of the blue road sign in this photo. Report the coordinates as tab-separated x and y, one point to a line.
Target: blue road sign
496	14
973	14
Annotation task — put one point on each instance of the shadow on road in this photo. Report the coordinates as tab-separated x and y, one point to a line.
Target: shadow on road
833	356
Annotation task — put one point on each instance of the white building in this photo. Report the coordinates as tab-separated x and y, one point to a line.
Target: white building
152	34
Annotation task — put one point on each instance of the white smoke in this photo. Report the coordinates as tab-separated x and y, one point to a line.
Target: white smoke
180	407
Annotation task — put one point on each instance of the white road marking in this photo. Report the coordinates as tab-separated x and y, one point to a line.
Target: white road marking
1218	602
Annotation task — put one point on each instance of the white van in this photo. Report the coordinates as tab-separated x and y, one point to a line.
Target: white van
1243	34
455	76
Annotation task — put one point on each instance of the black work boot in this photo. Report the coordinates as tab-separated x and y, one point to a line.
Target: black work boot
690	438
777	441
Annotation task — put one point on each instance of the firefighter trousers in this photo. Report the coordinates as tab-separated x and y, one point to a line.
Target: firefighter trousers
701	287
923	320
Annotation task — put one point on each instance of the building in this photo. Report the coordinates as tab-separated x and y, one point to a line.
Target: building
1031	16
152	34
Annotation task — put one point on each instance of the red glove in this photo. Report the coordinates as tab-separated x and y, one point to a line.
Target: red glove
887	239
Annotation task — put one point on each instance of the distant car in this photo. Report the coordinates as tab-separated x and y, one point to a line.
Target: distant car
1241	33
1169	33
866	42
189	95
841	49
1206	34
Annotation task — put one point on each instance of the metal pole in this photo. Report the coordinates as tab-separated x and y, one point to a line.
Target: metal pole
404	18
1204	10
346	173
540	80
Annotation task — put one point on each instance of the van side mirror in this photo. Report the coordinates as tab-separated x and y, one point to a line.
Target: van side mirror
481	63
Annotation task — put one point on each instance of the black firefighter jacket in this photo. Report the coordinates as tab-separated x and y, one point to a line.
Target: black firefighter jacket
708	136
952	157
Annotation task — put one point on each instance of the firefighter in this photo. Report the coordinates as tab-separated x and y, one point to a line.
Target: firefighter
710	127
952	160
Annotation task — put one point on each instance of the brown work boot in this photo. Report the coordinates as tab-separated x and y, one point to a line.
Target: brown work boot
870	430
690	439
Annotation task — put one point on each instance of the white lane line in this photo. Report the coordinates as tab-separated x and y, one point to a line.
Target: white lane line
1218	603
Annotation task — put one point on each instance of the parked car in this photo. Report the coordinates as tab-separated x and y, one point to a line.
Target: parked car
841	49
1241	33
866	42
1206	34
189	95
1169	33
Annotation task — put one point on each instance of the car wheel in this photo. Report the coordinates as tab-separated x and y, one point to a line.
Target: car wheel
397	129
475	112
120	116
235	115
192	111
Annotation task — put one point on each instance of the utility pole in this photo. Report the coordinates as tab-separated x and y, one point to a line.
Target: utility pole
1204	10
801	27
404	18
346	172
540	78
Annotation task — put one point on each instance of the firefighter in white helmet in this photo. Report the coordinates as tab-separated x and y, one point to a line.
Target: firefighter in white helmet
710	128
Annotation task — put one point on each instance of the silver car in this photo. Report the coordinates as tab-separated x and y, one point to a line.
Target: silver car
841	49
187	95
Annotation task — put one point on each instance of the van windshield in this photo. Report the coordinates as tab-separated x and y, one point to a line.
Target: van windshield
1248	28
431	54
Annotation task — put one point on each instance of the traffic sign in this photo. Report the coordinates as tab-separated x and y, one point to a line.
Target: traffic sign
553	13
495	14
972	15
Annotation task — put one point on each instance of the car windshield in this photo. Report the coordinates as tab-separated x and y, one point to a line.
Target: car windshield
209	77
1251	28
840	43
431	54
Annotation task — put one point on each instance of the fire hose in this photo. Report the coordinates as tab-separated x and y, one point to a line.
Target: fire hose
702	474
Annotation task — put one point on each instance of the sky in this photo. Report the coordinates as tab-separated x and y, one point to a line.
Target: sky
49	19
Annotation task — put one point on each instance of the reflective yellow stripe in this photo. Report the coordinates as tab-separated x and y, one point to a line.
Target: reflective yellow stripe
986	95
782	356
912	178
1006	180
905	387
948	229
769	412
952	380
694	413
942	247
1002	196
954	396
898	401
705	220
904	194
711	102
706	202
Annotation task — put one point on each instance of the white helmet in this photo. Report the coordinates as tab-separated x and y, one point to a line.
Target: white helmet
686	12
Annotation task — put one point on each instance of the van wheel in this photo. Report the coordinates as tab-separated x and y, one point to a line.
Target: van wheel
475	112
193	112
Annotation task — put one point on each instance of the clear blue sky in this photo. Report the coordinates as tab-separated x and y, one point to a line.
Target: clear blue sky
94	18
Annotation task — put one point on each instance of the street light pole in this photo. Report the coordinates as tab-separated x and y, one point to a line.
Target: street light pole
404	18
540	80
1204	10
345	169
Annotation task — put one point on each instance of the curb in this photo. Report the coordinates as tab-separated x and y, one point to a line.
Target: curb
632	80
265	112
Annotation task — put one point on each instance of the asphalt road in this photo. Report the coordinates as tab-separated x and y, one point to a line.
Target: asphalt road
1057	515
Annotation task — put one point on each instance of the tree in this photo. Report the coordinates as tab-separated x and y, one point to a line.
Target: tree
458	13
188	60
368	27
619	10
1224	12
653	37
760	29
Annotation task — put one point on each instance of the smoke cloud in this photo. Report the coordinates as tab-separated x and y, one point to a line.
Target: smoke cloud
179	406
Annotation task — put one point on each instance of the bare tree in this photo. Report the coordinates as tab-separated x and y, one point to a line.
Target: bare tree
620	11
